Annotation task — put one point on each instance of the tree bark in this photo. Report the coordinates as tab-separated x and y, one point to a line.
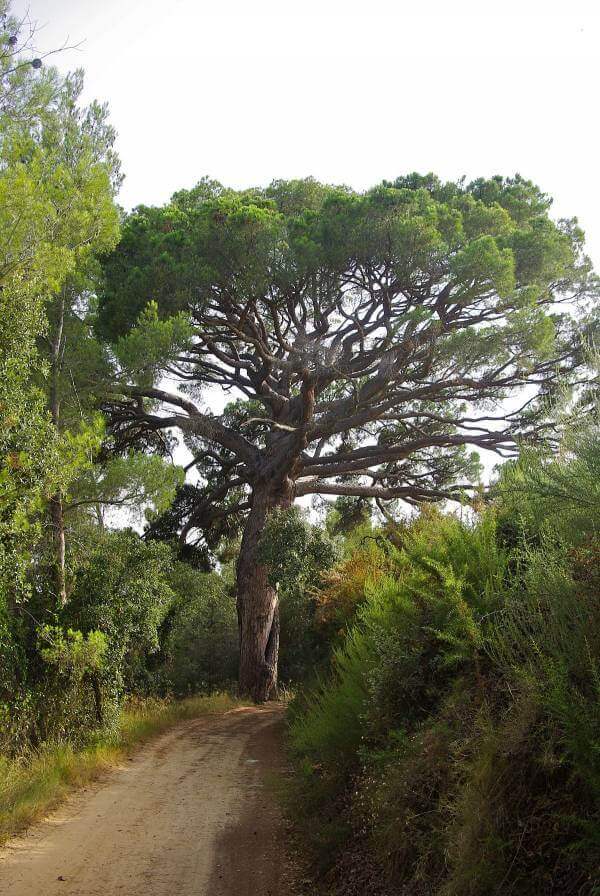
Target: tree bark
257	603
56	501
98	706
59	542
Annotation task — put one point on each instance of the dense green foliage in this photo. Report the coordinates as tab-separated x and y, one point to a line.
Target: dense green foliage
199	636
137	622
56	210
88	614
460	725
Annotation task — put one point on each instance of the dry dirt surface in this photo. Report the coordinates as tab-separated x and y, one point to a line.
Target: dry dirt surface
190	814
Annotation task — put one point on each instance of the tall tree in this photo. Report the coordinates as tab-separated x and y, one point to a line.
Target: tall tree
34	261
58	177
369	343
78	143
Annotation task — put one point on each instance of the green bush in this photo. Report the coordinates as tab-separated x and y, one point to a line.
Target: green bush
459	727
199	636
419	624
77	663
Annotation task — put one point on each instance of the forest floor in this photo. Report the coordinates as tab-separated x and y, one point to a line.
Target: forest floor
191	813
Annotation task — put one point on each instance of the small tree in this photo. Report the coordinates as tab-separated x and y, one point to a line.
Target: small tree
368	340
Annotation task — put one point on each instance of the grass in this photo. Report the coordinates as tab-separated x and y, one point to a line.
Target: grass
32	785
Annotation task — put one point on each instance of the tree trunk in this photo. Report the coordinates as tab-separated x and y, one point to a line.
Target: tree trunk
257	604
58	538
98	699
56	501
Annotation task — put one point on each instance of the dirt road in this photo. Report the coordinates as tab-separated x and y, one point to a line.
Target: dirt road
188	815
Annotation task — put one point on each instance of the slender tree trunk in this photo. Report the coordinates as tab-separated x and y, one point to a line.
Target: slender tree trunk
56	501
58	539
98	706
257	604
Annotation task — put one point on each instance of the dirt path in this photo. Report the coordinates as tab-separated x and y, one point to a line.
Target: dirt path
189	815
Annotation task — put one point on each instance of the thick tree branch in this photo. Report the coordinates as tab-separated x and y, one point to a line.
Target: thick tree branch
196	422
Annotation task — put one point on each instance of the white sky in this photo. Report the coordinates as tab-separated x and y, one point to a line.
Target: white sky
347	92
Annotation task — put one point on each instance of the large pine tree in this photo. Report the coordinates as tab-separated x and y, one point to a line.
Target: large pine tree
369	342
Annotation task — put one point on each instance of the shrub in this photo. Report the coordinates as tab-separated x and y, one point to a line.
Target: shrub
455	744
199	637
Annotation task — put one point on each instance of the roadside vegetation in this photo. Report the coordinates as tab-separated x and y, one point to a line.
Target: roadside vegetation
452	747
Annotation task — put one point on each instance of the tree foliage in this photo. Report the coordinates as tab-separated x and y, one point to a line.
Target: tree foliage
373	337
199	637
57	179
62	666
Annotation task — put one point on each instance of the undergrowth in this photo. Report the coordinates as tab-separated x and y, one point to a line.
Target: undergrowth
454	747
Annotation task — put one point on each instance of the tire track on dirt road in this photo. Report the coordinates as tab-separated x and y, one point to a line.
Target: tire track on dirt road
187	815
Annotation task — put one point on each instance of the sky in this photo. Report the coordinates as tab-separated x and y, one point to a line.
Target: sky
348	92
